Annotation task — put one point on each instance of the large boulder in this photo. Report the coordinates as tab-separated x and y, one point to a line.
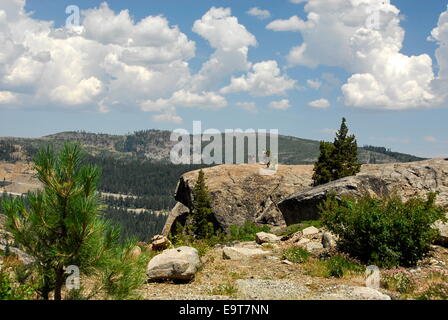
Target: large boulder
240	193
174	264
407	180
303	205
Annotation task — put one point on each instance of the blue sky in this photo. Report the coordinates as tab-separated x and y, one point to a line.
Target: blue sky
300	75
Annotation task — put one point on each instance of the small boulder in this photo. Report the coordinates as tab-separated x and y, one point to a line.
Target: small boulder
239	253
174	264
328	240
263	237
442	239
310	231
22	256
314	247
160	243
134	253
302	242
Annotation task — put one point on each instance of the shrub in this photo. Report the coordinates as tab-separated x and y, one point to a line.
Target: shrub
14	291
340	265
61	225
246	232
296	254
386	232
399	280
435	291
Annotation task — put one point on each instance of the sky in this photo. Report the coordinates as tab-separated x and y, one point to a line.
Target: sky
298	66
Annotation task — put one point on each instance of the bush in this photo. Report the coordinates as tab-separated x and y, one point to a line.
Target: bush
386	232
14	291
399	280
436	291
296	254
246	232
340	265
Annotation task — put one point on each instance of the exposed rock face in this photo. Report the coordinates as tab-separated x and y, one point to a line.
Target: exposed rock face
241	193
256	289
304	205
175	264
406	180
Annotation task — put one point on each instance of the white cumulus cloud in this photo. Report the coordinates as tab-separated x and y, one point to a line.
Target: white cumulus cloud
265	79
259	13
365	38
231	42
321	104
280	105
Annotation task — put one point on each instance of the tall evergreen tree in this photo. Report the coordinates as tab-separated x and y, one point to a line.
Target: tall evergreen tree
345	153
202	226
61	226
323	169
338	159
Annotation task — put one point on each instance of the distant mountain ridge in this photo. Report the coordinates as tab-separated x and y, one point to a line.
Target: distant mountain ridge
155	145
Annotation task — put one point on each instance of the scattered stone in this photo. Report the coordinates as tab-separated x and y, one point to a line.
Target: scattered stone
240	253
314	247
303	242
272	258
174	264
247	244
263	237
310	231
289	263
160	243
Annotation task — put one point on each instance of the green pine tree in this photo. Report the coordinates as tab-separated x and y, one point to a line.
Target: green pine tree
323	169
202	226
60	226
339	159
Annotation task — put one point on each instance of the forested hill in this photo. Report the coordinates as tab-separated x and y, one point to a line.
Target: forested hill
138	180
155	145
